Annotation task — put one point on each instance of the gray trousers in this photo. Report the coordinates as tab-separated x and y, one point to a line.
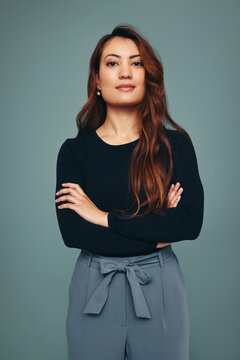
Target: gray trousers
133	308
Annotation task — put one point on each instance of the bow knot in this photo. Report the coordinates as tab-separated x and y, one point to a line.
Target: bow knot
121	266
135	275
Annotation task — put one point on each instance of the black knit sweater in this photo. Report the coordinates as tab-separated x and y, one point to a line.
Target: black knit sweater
101	170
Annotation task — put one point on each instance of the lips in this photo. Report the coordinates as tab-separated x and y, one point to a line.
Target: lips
125	86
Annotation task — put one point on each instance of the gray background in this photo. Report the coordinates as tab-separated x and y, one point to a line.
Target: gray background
45	52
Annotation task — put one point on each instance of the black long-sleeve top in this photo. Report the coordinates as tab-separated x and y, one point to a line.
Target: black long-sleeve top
101	170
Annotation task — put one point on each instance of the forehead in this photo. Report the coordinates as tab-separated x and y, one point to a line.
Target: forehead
120	46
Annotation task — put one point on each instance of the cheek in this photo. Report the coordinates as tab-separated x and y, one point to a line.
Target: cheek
140	79
140	83
108	78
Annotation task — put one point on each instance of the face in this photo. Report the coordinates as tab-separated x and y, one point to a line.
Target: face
124	67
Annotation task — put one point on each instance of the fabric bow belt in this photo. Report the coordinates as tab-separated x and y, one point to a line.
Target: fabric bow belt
135	275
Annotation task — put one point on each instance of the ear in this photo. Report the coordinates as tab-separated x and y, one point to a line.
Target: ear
98	81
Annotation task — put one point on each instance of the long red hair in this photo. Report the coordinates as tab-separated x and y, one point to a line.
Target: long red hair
151	164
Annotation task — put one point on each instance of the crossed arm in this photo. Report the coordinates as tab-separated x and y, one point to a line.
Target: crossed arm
80	218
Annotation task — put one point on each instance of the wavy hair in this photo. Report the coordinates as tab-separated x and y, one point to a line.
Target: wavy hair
151	165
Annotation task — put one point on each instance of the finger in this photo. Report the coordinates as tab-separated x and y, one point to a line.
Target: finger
170	190
173	191
70	198
159	245
176	201
177	186
68	190
77	187
175	194
175	198
68	206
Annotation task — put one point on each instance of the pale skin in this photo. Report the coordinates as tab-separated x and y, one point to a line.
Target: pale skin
121	123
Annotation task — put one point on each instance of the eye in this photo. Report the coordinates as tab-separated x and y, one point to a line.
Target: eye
114	62
138	62
111	62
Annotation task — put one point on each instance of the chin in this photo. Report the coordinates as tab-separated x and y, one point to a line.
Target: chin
124	102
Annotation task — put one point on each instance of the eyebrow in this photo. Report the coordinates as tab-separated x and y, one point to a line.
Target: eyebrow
118	56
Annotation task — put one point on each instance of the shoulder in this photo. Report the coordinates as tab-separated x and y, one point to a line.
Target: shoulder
77	145
75	142
71	151
182	146
78	149
178	139
176	135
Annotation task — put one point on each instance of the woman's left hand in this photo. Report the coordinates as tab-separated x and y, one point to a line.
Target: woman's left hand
81	204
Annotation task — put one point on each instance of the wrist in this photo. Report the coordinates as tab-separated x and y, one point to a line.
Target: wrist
103	219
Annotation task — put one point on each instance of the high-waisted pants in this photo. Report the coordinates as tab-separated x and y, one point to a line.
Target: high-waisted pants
132	308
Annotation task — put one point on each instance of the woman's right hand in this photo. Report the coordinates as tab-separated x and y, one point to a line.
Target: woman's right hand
173	198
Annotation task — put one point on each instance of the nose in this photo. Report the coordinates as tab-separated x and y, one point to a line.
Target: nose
125	71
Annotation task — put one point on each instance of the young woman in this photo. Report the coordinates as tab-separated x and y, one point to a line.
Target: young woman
119	184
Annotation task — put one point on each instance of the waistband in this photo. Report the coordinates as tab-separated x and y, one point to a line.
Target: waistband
136	275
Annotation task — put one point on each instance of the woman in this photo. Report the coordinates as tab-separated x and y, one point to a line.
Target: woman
117	202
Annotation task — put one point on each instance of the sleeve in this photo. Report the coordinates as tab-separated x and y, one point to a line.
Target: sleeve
79	233
183	222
